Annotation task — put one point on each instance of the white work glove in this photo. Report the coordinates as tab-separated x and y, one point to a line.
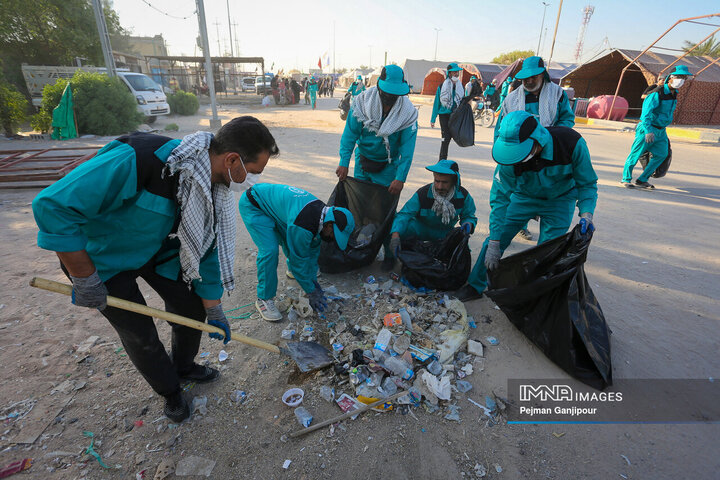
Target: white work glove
492	255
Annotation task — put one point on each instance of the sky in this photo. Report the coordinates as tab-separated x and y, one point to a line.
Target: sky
295	34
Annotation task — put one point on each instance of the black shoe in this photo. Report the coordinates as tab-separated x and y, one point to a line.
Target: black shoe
525	233
641	184
466	294
388	264
199	374
176	407
627	184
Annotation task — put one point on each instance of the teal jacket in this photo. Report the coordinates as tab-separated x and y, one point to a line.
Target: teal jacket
504	89
419	207
118	208
372	147
312	88
438	108
297	223
563	167
356	88
564	117
489	91
657	110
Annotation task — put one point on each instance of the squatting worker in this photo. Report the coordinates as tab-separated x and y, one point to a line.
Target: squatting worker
434	210
542	172
160	209
281	215
540	97
381	128
650	134
447	98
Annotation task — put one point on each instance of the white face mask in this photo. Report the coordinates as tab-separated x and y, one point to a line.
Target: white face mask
454	79
677	82
250	180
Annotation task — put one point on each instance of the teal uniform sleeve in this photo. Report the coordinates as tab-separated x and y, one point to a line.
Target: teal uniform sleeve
467	214
352	89
585	178
350	136
496	132
303	257
407	139
647	118
96	187
209	286
410	210
565	116
436	106
502	187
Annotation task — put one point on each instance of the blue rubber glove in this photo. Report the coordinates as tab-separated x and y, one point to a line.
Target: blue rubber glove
89	291
318	302
216	318
466	228
586	223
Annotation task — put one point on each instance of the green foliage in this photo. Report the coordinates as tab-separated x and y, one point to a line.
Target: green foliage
709	47
13	106
103	105
41	122
183	103
172	127
509	57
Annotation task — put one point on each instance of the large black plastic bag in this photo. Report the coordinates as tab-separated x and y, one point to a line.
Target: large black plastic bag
462	124
440	265
545	294
373	209
663	168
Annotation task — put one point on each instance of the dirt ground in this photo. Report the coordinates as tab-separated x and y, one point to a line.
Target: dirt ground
653	264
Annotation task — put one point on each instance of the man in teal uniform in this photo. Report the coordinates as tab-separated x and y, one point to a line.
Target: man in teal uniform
505	89
160	209
357	87
312	90
434	210
447	98
542	172
281	215
650	135
381	129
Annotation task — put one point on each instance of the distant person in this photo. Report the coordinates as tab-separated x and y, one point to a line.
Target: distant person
296	90
447	98
650	135
489	94
332	86
381	129
357	87
305	83
505	89
434	210
291	218
312	89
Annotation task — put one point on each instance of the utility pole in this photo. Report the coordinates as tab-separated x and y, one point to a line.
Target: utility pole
230	29
104	38
214	121
542	27
333	47
385	58
437	30
557	22
217	31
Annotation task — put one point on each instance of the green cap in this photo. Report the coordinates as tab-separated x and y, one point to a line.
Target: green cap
392	81
531	66
517	134
343	225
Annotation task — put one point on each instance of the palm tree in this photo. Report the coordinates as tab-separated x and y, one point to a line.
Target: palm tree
709	47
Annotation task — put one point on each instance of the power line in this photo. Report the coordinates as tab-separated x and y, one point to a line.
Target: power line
167	14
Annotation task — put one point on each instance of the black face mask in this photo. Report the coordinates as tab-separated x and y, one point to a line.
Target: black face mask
327	239
387	99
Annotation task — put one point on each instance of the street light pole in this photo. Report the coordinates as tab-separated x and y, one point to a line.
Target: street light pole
437	30
214	121
542	27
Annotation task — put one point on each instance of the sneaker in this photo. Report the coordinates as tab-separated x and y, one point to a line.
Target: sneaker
627	184
525	233
268	310
466	294
388	264
641	184
176	407
289	274
199	374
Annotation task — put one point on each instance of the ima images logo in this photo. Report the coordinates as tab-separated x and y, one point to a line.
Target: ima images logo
544	393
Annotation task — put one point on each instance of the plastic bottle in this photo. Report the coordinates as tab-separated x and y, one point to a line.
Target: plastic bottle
303	416
405	318
383	340
327	393
399	367
434	367
389	386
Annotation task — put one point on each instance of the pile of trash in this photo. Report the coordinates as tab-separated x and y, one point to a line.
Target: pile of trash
389	339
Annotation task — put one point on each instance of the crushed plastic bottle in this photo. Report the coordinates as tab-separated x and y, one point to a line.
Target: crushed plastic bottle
303	416
383	340
463	386
405	318
435	367
327	393
389	386
399	367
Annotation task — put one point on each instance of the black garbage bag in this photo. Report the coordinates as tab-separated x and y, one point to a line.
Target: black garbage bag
462	124
662	170
440	265
545	294
373	209
344	105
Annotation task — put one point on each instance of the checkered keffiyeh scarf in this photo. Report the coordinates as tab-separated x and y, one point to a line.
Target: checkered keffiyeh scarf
548	99
443	207
367	109
207	210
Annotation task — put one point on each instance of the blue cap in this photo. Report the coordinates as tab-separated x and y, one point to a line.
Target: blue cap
453	67
446	167
343	225
531	66
473	77
392	81
517	134
359	77
681	70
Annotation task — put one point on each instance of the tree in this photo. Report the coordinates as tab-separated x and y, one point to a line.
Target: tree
509	57
709	47
51	32
12	107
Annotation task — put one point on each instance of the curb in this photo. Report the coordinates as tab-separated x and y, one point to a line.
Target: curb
690	134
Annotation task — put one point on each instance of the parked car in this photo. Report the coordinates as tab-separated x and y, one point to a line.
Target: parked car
259	85
248	84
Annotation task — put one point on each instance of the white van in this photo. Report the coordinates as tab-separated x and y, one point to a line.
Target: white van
151	100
